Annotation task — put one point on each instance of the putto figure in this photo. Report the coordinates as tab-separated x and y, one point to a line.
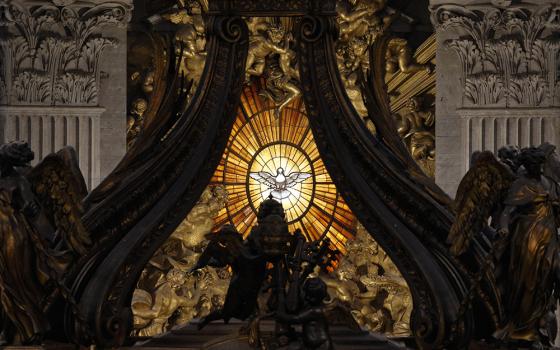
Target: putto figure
270	55
312	317
514	205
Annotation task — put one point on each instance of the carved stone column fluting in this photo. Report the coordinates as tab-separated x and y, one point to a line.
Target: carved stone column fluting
497	79
63	79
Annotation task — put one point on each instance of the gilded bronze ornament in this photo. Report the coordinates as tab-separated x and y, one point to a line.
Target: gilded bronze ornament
417	128
271	55
371	286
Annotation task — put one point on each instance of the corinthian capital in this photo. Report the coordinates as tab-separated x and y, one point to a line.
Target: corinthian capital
494	12
52	51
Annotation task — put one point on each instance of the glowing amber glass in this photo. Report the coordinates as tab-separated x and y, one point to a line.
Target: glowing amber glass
262	143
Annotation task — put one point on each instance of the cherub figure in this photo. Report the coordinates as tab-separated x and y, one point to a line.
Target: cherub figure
416	128
357	17
399	57
282	76
352	59
361	274
148	82
200	220
263	45
135	122
153	313
281	83
312	317
190	40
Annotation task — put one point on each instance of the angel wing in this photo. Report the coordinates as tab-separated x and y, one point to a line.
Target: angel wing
264	178
60	187
480	192
296	177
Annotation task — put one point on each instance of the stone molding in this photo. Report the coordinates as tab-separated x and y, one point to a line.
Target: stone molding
53	111
506	113
491	128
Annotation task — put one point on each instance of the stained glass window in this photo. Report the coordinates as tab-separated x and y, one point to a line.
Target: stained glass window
276	156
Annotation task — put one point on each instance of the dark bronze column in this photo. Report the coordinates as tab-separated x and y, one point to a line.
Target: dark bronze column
138	206
385	192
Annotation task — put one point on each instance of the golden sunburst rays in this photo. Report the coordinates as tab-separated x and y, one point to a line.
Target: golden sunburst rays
268	155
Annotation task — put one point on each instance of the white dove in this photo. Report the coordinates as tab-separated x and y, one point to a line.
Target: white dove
280	183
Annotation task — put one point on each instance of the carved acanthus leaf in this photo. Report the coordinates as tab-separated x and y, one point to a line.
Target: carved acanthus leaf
58	47
509	56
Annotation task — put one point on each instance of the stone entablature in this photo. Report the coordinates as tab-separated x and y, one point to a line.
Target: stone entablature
492	128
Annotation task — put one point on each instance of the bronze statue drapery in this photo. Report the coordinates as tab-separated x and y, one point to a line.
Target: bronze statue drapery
21	291
530	218
513	206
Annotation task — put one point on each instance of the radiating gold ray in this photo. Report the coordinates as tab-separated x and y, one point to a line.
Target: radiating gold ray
260	141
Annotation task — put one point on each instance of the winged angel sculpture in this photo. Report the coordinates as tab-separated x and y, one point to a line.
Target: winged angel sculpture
280	183
512	201
41	234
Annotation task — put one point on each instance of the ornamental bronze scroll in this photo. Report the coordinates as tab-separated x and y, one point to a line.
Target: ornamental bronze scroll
163	178
386	194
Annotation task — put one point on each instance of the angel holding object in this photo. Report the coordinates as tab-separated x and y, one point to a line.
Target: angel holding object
525	249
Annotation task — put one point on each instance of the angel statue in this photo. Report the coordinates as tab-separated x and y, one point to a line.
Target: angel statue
41	234
518	212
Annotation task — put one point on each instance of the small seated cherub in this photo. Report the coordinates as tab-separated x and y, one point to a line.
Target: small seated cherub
152	311
312	317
